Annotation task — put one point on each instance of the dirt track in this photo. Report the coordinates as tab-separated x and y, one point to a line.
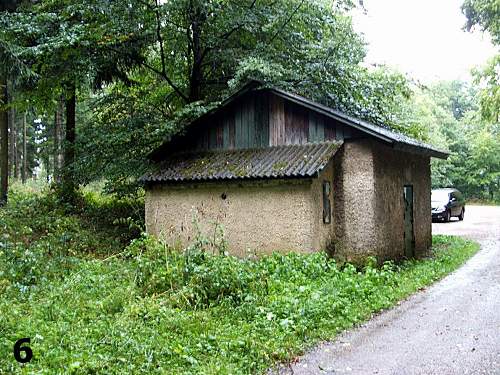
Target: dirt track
453	327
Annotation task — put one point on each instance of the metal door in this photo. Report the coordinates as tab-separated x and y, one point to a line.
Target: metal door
409	234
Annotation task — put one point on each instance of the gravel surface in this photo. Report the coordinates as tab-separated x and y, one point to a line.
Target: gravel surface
452	327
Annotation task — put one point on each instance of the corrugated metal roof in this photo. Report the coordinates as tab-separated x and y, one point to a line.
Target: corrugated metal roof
269	162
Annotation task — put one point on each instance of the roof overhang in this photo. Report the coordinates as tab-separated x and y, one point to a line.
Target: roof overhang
397	140
279	162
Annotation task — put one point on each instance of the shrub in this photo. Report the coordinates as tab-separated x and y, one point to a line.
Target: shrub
40	241
192	278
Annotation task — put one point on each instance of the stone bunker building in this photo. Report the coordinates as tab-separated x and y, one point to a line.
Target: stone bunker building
282	173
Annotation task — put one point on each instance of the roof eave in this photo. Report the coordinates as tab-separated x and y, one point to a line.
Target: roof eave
421	150
252	85
224	180
327	113
359	126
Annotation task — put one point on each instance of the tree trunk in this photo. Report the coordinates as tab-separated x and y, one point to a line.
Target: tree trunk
196	68
25	151
58	136
4	144
13	161
68	186
11	116
15	151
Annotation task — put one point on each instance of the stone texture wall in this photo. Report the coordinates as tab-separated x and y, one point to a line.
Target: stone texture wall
368	201
322	234
261	217
354	202
256	217
393	170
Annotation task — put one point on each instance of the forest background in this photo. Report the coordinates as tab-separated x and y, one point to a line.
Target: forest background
91	87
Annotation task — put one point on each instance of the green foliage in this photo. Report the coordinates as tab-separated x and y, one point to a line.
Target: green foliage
119	128
39	236
451	113
187	52
142	69
151	309
488	78
485	14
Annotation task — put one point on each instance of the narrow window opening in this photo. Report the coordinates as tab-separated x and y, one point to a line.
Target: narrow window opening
327	207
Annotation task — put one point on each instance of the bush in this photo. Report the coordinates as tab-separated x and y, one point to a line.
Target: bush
192	278
40	241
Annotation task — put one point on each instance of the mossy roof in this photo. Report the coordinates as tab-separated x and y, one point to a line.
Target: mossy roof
293	161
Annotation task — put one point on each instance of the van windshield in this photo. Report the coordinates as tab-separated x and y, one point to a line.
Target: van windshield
440	196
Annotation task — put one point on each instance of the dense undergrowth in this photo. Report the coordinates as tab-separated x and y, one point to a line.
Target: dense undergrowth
93	301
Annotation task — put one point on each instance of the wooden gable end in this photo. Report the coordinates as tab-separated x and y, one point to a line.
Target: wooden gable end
243	124
264	119
291	123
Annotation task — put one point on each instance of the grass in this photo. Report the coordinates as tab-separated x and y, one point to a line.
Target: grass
482	202
93	303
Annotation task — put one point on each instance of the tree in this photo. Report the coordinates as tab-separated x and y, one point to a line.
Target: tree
5	57
201	51
451	112
58	140
24	173
485	15
66	44
488	78
140	69
485	161
4	143
13	143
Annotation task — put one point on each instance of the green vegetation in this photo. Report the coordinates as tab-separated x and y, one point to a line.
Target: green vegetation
452	114
93	304
88	88
91	87
140	69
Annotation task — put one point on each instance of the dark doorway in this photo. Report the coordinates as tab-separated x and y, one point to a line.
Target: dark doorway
409	234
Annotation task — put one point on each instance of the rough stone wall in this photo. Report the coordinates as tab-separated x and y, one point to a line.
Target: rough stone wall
354	199
256	217
368	201
393	170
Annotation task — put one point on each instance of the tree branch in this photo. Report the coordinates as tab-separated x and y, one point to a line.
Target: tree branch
154	70
287	21
160	39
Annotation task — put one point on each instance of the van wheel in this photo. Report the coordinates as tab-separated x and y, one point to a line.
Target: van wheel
461	216
447	217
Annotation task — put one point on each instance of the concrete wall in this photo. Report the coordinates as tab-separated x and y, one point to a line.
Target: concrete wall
354	202
368	201
393	170
256	217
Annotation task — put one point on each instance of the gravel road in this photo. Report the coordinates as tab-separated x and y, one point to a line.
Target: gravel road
452	327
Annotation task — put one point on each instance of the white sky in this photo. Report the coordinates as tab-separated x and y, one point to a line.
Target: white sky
423	38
